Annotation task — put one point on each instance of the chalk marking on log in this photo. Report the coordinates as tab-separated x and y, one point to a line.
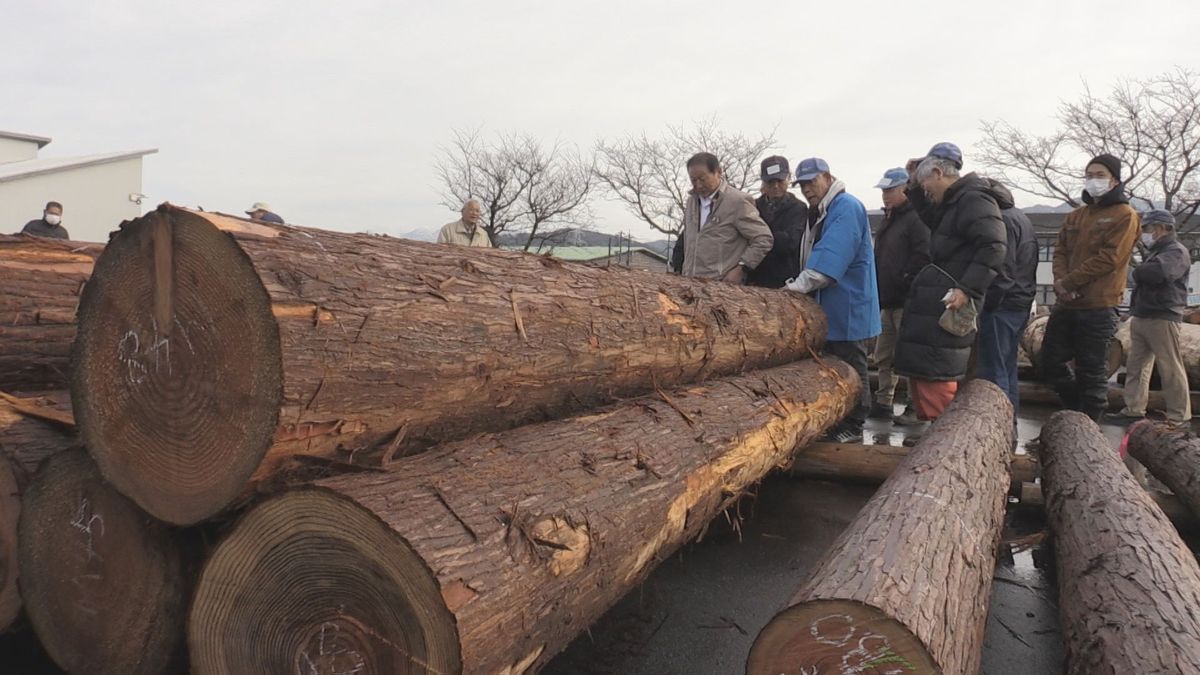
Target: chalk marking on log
85	526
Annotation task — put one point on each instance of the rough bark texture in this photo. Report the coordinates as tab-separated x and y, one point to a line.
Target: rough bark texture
1129	589
1173	456
906	587
875	463
490	555
1189	346
1035	332
207	358
1183	519
40	281
103	583
25	440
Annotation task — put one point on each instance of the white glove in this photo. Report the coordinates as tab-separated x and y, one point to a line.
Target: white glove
808	281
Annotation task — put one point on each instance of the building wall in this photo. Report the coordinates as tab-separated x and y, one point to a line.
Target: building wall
13	150
95	198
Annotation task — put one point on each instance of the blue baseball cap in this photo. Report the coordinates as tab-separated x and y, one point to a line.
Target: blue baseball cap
948	151
1158	217
809	169
893	178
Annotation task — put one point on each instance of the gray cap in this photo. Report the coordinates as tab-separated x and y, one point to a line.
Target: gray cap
1158	217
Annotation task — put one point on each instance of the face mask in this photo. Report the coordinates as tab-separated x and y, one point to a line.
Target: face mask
53	219
1096	187
1147	239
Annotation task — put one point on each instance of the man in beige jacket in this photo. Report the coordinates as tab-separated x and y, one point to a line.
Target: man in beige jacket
723	236
466	230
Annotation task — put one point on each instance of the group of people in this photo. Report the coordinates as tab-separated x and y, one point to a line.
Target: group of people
947	284
50	224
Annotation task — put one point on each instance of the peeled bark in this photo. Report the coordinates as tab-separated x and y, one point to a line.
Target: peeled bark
25	440
103	583
39	291
1173	456
1035	332
1129	589
207	359
906	587
490	555
875	463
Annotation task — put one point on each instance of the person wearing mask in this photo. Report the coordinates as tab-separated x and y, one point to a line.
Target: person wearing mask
722	237
901	252
837	261
1159	297
262	211
49	225
967	250
787	217
1091	261
466	230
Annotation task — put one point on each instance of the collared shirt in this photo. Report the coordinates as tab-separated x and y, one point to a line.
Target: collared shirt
706	207
459	234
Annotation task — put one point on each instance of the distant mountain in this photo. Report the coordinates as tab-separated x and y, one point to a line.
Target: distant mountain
416	234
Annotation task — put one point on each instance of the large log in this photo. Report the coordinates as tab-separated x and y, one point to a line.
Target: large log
1035	393
1172	454
1030	496
40	281
25	440
103	583
490	555
875	463
1035	332
906	587
207	358
1129	589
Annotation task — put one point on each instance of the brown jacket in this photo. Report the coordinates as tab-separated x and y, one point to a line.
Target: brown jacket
734	233
1095	245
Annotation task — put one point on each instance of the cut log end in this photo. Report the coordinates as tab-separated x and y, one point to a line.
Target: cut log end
177	416
102	581
840	636
329	587
10	510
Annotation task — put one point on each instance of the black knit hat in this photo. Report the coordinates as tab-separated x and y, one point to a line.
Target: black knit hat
1109	162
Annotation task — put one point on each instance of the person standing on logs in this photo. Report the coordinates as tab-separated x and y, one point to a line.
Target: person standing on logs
466	230
1091	261
837	260
967	251
49	225
723	236
1159	297
787	218
901	252
262	211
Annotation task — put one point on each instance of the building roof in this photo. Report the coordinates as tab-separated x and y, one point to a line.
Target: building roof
40	140
586	253
36	167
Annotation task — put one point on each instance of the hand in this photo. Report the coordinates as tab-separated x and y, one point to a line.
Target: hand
736	276
1061	292
958	299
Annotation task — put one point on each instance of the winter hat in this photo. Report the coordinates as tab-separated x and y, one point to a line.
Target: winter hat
1109	162
1158	217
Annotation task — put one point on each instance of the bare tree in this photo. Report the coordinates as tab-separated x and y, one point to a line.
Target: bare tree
650	174
1153	125
559	182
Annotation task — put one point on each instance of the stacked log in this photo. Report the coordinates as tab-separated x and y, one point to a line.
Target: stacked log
212	351
491	554
42	279
875	463
1172	454
1129	588
1189	345
1035	332
1030	495
907	585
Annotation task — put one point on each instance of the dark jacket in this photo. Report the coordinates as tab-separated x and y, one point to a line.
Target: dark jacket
901	252
40	228
967	251
1016	285
1094	247
1160	282
787	220
677	254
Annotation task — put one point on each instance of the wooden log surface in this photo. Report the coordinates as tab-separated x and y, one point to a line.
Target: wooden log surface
1129	589
40	282
1030	495
489	555
1172	454
26	438
212	350
906	587
1035	332
875	463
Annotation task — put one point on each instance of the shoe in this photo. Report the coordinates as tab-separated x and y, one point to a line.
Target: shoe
908	418
910	441
881	411
1122	419
843	434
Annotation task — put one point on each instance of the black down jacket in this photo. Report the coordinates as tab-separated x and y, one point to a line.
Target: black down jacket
1016	285
967	250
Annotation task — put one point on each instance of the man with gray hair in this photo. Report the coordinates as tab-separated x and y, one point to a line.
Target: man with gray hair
466	230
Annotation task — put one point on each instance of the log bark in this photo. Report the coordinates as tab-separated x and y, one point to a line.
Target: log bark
25	440
1183	519
906	587
212	350
103	583
876	463
1035	332
42	279
1129	589
490	555
1172	455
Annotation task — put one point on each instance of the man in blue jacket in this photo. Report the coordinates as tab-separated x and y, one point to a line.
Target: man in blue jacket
837	260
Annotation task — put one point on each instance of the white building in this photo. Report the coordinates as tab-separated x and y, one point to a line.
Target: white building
97	191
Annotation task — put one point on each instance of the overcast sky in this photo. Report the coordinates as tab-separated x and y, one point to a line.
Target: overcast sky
333	112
